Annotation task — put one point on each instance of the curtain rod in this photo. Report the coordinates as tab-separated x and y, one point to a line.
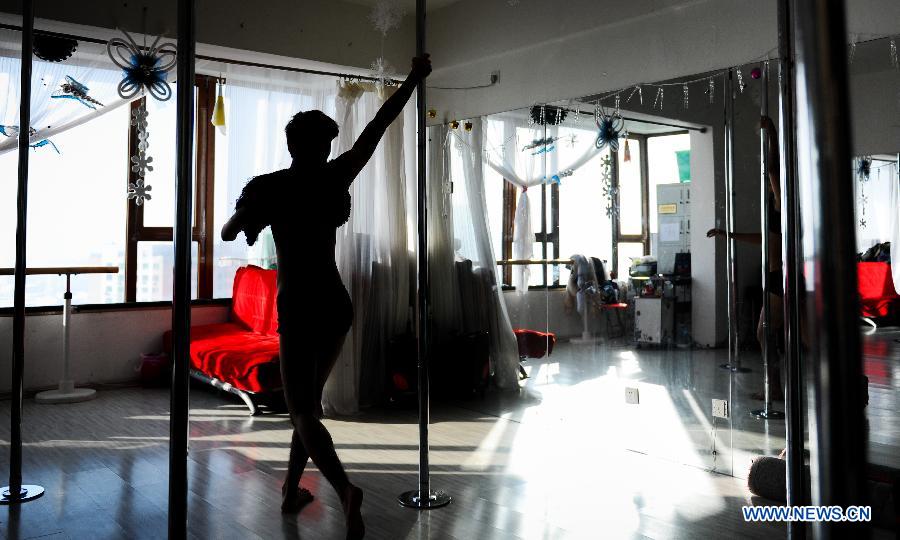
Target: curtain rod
211	58
689	128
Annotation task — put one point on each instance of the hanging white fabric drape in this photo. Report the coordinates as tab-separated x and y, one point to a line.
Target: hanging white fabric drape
372	255
443	282
473	236
49	115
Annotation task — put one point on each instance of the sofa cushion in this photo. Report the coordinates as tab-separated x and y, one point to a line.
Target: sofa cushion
246	360
876	288
253	299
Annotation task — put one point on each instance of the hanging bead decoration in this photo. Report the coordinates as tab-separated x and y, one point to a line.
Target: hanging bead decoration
851	53
711	91
863	173
740	80
140	162
658	102
616	106
685	88
895	61
637	90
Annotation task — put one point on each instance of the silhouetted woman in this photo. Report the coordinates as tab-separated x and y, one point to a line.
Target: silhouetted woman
304	205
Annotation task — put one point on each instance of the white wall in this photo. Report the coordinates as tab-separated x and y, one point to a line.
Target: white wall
105	346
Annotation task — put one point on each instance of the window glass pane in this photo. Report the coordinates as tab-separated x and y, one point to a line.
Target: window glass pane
627	250
155	265
666	157
630	201
160	210
76	212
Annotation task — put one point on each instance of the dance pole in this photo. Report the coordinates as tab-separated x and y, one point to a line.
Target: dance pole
835	389
181	290
793	403
734	364
422	498
15	492
767	412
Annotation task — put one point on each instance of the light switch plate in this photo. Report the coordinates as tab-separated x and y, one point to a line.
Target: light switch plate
632	396
720	408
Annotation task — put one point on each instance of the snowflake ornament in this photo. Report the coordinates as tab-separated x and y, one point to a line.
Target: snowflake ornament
380	69
141	164
386	16
139	192
139	118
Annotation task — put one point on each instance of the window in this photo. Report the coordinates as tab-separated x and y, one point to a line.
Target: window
76	200
150	255
668	162
568	217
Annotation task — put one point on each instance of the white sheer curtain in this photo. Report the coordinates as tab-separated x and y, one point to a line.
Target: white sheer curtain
443	282
256	113
372	255
470	225
50	116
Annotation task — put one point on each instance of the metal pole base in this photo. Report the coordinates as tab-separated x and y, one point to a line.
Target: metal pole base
413	499
27	493
763	414
735	368
65	394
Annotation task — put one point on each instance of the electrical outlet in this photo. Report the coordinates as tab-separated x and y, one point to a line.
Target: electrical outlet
720	408
632	396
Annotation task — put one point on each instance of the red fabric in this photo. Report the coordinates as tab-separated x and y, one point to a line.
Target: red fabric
253	299
246	360
534	344
876	288
243	352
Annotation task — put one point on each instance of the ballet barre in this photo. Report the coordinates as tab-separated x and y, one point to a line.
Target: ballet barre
66	392
522	262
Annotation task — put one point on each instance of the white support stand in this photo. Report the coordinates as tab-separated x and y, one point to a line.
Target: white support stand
66	393
587	337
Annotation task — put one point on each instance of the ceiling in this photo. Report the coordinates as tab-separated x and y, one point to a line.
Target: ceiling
409	5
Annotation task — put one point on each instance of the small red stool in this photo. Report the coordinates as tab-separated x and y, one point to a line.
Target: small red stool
533	344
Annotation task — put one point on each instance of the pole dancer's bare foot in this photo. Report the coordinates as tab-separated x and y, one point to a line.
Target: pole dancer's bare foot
293	500
352	503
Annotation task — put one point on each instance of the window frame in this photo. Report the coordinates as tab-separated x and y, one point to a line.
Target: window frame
204	179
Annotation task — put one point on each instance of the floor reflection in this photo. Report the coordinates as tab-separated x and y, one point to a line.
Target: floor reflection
564	458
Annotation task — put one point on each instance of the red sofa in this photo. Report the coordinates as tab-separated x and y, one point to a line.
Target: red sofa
241	355
878	297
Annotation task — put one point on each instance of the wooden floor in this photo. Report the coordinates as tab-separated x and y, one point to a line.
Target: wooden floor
565	458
